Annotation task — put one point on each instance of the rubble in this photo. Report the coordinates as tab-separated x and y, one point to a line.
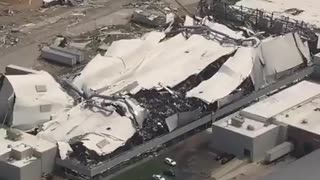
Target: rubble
8	12
150	19
8	40
48	3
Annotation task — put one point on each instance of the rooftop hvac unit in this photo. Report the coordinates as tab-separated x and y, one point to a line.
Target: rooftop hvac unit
237	121
250	128
14	134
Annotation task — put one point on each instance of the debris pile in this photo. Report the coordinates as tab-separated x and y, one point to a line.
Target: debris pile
48	3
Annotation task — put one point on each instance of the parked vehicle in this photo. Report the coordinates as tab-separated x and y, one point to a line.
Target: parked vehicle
170	162
226	158
218	158
158	177
169	172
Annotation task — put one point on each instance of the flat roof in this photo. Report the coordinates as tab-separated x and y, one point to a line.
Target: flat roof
36	143
304	116
306	168
259	127
282	101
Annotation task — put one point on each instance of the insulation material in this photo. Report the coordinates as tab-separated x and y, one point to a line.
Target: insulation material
309	9
153	65
39	98
90	125
231	74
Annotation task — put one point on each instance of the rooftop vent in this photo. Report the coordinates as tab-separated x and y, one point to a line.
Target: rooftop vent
237	121
14	134
250	128
304	121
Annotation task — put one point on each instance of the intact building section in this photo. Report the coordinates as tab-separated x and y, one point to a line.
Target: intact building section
24	156
244	137
288	121
303	123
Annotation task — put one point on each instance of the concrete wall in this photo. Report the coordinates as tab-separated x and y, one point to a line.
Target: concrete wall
304	142
265	142
29	171
230	142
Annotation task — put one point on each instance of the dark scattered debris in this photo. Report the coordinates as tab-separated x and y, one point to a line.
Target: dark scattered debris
8	40
194	80
50	3
8	12
162	104
294	11
147	4
148	18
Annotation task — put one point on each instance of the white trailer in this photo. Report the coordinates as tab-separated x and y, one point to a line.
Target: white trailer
278	151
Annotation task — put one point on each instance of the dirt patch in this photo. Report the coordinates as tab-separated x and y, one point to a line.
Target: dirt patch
20	4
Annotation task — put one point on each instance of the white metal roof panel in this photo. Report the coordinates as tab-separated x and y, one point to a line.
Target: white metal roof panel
231	74
168	62
38	99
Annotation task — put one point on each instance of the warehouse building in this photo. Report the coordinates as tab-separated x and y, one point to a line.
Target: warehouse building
244	137
289	115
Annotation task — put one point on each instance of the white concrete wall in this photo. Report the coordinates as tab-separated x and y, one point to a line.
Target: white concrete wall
265	142
29	171
230	142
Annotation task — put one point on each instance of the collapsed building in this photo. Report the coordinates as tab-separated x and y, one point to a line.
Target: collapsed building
130	100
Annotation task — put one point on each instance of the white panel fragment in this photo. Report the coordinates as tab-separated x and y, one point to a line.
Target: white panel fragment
231	74
64	150
38	98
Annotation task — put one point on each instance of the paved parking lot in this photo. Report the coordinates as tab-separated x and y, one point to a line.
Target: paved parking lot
195	161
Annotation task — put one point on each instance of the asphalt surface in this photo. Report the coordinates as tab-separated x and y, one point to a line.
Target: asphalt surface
195	161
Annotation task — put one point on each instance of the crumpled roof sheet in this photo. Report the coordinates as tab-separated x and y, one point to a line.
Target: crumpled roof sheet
231	74
277	55
150	62
39	98
99	131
